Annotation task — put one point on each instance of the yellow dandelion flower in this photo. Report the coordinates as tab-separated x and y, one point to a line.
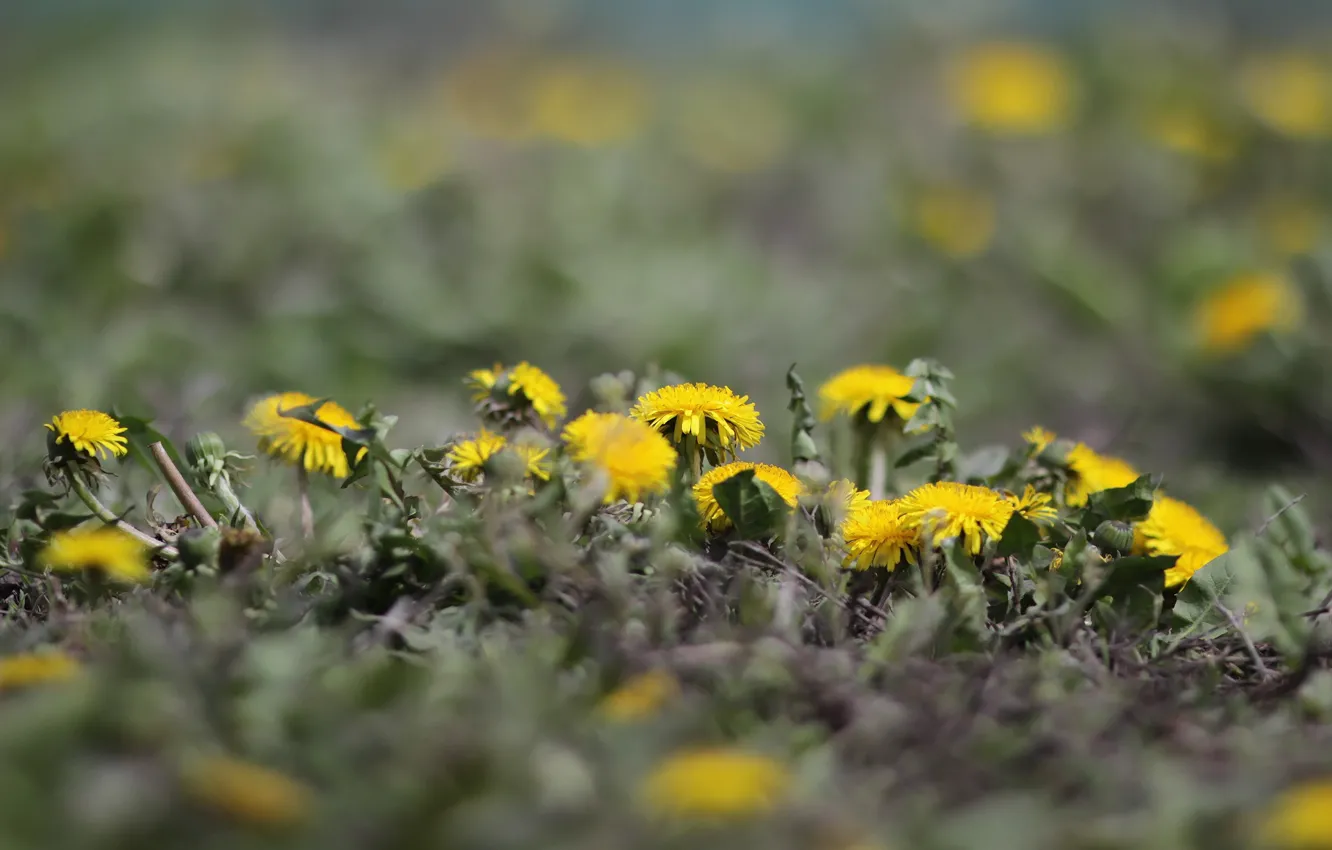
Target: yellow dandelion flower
576	432
1093	472
1290	225
587	101
115	553
1012	87
954	220
711	514
1173	527
850	497
36	668
525	383
467	459
302	443
1038	438
1193	133
89	431
636	460
868	390
946	509
1289	91
721	421
1300	818
879	536
641	696
716	783
1033	505
1250	304
247	792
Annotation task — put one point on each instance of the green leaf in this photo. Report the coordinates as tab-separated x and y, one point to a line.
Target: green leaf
1136	571
1123	504
756	510
140	434
1198	597
915	455
1020	537
982	464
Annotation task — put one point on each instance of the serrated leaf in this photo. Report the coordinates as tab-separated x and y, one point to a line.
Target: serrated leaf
755	509
1198	598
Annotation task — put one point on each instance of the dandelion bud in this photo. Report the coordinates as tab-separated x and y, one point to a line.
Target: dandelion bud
1112	534
206	454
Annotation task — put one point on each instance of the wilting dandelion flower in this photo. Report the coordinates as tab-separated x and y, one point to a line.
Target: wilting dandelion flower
1250	304
1300	818
91	432
947	509
954	220
1033	505
715	782
524	385
710	512
720	421
113	552
468	458
36	668
1093	472
870	391
635	459
1038	438
1290	92
1012	87
640	696
301	443
1173	527
247	792
878	535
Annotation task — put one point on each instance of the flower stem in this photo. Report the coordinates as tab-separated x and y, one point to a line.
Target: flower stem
230	501
307	511
180	486
105	514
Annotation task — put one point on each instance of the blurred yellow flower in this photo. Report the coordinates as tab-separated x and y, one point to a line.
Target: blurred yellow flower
1012	87
587	101
640	696
113	552
1290	225
636	460
1173	527
730	126
849	497
1289	91
249	793
525	383
954	220
36	668
711	515
1033	505
1038	438
1250	304
870	390
302	443
468	458
576	432
721	421
1300	818
1094	472
878	535
715	782
89	431
1191	132
947	509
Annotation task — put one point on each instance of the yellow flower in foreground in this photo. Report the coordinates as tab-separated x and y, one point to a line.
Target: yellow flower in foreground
36	668
640	696
871	390
711	514
721	421
1038	438
467	459
247	792
1300	818
955	220
302	443
576	432
712	783
1175	528
1250	304
1012	87
89	431
115	553
587	101
1093	472
879	536
524	382
947	509
636	460
1033	505
1289	91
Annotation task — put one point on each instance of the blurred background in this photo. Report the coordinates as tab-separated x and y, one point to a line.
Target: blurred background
1107	218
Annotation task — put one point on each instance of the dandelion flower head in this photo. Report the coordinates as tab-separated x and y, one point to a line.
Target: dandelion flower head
468	458
1290	91
1094	472
1300	817
868	390
721	421
716	783
524	383
635	459
575	433
1173	527
249	793
954	220
710	512
115	553
640	696
90	432
1038	438
298	442
1033	505
36	668
848	496
878	535
947	509
1229	319
1012	87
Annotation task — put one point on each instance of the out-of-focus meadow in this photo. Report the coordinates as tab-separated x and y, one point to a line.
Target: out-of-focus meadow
1108	220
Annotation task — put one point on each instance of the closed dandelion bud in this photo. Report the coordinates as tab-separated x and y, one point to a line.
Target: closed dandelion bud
206	455
1113	534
